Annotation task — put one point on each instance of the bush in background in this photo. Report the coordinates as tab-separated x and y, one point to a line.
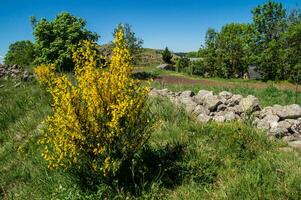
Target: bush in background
183	65
20	53
167	56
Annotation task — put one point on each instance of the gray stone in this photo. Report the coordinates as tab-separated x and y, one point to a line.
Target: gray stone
221	107
234	100
263	125
200	110
201	95
296	128
292	121
229	116
186	93
249	104
269	121
219	118
288	138
226	95
211	103
188	103
236	109
288	112
284	124
279	131
203	118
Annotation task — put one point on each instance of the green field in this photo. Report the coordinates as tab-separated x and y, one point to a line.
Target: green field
183	159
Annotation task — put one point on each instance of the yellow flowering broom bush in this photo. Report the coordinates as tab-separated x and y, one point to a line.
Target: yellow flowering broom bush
100	119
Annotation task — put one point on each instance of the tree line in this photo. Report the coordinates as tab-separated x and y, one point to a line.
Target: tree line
271	43
55	40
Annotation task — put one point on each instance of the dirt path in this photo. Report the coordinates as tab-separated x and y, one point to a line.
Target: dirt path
168	79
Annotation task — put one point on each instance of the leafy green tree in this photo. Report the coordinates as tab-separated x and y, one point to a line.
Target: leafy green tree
233	49
198	68
20	53
133	43
54	40
269	21
293	51
209	53
167	56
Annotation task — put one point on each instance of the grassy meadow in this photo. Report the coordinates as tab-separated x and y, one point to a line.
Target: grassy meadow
182	160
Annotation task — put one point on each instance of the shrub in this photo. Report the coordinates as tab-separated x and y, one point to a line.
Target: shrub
167	56
183	65
198	68
20	53
100	120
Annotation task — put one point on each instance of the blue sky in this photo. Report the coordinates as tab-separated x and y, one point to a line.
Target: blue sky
178	24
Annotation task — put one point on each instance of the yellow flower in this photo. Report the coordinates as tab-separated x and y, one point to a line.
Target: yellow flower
100	116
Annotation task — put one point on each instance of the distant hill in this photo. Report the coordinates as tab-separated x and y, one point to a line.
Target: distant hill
148	57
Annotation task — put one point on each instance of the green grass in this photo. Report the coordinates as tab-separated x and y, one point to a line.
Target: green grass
267	96
183	159
272	93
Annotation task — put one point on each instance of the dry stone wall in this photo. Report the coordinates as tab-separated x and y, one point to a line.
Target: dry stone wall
15	71
283	122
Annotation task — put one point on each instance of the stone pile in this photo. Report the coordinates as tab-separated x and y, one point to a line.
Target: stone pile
10	70
15	71
279	121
